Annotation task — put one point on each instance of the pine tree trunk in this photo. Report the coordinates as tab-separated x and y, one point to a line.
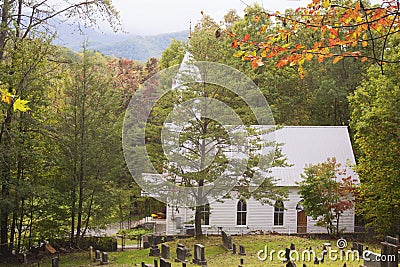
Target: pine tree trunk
197	222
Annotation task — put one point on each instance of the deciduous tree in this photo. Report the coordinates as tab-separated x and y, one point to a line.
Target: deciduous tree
327	192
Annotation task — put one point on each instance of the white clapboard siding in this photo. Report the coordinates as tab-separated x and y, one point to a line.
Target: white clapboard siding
259	218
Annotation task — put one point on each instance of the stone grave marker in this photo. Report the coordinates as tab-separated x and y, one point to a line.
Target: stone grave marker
233	248
165	251
154	251
164	263
390	252
287	254
371	260
324	252
392	240
360	249
199	255
226	240
91	252
104	258
55	261
25	261
181	253
242	250
97	255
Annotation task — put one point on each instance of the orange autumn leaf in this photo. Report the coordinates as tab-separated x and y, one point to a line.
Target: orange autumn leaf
321	58
257	19
336	59
364	43
256	63
363	59
231	34
234	43
246	37
281	63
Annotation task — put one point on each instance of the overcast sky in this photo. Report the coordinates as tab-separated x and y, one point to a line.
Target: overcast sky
148	17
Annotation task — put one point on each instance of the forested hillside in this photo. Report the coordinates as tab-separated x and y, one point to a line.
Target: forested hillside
124	45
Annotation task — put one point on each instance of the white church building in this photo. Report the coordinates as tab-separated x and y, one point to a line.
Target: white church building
302	145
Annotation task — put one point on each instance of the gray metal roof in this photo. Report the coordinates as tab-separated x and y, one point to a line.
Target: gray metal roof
304	145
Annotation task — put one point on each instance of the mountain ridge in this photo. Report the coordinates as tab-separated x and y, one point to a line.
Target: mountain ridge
129	46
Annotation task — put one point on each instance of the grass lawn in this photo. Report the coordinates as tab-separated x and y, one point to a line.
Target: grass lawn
217	256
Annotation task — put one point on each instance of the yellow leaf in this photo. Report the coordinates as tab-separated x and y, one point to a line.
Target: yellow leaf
309	57
326	3
364	43
336	59
20	105
300	70
6	98
238	53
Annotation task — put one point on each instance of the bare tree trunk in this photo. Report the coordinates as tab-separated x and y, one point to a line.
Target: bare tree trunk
5	15
12	228
21	219
88	215
5	139
75	174
82	146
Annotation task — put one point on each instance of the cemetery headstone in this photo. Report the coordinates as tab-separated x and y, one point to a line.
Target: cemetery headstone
323	256
154	251
389	252
25	259
97	255
392	240
242	250
91	252
287	254
164	263
165	251
181	253
233	248
104	258
199	255
372	260
55	262
226	240
360	249
292	246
